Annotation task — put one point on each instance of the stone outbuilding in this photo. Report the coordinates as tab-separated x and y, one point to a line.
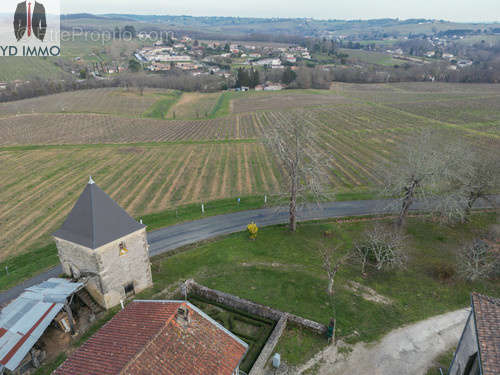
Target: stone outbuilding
99	243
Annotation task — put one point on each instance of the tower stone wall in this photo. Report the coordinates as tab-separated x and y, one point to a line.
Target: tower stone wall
109	268
100	243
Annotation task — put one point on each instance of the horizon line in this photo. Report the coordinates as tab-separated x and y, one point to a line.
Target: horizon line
283	18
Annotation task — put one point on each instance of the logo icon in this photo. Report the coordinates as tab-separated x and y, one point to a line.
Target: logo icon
30	28
30	18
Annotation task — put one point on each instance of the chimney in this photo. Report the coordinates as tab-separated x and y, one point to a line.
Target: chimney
182	316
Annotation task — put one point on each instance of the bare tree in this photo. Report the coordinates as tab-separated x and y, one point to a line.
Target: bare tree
331	266
420	172
474	174
480	178
302	164
382	248
477	260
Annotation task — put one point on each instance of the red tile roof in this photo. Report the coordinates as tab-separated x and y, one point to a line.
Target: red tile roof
145	338
487	317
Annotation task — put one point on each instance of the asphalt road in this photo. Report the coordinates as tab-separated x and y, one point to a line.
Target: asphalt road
170	238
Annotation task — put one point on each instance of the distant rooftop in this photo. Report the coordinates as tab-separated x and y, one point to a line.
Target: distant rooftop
96	220
487	317
147	338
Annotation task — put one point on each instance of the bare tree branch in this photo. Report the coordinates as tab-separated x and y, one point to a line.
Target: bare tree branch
303	166
330	265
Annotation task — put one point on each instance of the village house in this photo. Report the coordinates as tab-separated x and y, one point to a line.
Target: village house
159	67
101	245
161	338
478	351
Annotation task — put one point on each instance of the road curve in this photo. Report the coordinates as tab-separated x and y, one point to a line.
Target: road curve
170	238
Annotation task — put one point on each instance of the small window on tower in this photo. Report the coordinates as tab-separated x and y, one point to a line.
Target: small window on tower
129	290
123	249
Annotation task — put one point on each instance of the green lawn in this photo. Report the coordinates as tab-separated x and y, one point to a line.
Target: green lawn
12	68
162	106
371	57
442	362
284	271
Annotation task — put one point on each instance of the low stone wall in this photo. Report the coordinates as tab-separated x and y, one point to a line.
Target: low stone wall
251	307
267	350
237	303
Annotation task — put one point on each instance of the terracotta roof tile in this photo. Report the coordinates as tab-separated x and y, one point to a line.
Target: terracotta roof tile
487	315
145	338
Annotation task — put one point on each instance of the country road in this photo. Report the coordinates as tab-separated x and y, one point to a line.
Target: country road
170	238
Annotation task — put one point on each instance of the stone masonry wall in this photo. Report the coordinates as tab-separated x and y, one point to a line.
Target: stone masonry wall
117	270
267	350
80	258
262	311
113	271
251	307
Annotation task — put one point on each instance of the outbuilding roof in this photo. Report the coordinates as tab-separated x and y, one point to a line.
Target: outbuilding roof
96	220
24	320
146	338
487	318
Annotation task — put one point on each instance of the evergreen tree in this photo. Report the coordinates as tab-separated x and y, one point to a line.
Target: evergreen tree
254	78
129	31
243	78
134	65
289	76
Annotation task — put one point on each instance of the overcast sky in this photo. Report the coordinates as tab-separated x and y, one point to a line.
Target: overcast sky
453	10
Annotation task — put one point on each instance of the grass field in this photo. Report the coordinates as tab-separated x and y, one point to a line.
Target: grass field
107	101
12	68
152	164
160	108
284	271
371	57
193	106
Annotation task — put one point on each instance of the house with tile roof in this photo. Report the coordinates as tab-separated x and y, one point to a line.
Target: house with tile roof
158	337
478	351
101	245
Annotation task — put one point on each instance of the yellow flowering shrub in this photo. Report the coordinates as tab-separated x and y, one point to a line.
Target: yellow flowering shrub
252	229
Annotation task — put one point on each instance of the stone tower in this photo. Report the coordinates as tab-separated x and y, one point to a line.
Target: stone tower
101	243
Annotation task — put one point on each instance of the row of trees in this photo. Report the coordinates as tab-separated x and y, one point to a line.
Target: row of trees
178	81
247	78
442	174
434	170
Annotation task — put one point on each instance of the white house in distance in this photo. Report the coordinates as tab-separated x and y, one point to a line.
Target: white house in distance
101	245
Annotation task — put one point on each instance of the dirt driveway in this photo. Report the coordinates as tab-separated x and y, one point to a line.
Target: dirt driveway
408	350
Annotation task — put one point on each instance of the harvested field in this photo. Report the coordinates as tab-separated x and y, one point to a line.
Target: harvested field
39	187
464	111
110	100
360	127
84	128
284	100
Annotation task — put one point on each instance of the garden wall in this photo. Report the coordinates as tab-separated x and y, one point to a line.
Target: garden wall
251	307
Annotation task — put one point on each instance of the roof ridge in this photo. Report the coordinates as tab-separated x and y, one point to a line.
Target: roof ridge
493	300
92	212
148	344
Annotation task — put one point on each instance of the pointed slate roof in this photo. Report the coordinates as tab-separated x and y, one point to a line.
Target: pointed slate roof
96	220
